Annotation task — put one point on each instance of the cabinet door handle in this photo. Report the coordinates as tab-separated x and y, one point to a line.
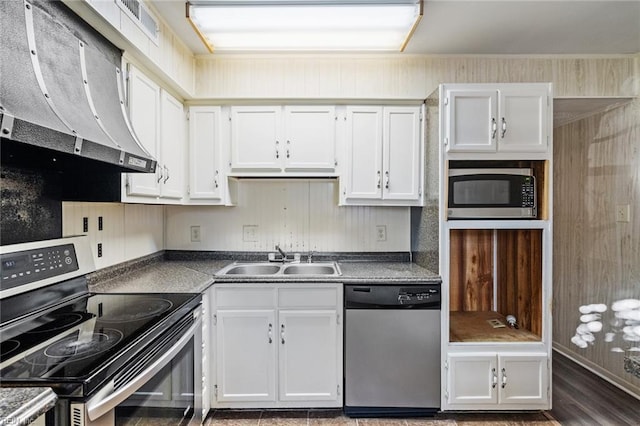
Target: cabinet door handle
379	179
282	333
494	128
277	151
504	127
494	379
167	176
160	175
504	378
215	180
288	143
386	179
270	333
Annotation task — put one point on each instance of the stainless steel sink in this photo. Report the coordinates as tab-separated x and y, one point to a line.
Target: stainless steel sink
266	269
312	269
253	269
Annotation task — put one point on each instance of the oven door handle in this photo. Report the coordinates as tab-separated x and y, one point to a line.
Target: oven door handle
108	398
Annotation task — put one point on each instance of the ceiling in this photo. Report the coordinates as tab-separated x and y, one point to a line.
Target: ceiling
489	27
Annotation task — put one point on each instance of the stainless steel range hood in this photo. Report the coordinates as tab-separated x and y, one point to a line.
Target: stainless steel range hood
61	92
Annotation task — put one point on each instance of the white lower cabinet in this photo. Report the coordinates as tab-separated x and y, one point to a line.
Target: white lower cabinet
308	362
277	345
497	381
246	360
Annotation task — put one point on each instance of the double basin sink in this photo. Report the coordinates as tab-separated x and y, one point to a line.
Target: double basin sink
269	269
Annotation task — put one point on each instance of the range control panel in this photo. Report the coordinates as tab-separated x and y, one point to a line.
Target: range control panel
28	266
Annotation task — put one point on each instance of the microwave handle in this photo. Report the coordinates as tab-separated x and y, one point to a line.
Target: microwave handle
494	128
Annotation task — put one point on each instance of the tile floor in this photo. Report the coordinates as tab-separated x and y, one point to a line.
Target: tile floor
336	418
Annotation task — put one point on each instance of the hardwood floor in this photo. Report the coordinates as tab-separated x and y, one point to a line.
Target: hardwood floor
582	398
579	398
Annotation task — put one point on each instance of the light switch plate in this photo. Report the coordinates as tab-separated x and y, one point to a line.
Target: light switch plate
622	213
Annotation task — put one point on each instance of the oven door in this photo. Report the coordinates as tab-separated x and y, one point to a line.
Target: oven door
174	355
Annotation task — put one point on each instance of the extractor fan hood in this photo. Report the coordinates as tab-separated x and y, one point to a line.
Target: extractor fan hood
61	93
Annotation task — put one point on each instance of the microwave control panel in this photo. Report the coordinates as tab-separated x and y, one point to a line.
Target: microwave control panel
528	192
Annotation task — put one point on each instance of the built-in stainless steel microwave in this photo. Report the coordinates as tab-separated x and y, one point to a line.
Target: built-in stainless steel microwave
508	193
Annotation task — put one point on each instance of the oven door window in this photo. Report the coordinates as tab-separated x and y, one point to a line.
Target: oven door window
169	394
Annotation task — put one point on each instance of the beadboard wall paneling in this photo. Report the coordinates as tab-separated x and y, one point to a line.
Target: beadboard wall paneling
595	258
129	231
401	76
300	215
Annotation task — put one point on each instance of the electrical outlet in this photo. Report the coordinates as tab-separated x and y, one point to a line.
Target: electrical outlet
381	232
195	234
250	233
100	223
623	212
85	224
99	249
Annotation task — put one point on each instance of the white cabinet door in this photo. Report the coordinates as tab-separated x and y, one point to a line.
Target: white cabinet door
498	381
472	379
308	362
205	177
401	153
523	379
310	138
172	137
144	110
364	152
522	119
256	142
246	355
471	120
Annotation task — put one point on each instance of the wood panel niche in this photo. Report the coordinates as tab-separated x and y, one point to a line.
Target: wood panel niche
494	273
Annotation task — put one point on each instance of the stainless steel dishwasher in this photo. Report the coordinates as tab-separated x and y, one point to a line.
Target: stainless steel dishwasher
392	350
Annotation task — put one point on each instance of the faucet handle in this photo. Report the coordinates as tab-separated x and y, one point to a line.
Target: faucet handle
310	256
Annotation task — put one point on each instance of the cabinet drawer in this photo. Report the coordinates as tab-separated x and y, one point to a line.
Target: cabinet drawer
245	297
305	296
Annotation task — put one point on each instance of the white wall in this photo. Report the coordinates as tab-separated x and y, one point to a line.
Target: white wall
129	231
300	215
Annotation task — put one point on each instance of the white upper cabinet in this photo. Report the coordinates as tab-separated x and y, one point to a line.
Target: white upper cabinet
363	178
280	140
508	118
384	156
206	177
144	111
172	143
158	120
402	158
310	138
256	139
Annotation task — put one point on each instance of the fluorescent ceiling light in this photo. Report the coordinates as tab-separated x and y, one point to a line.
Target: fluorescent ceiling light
290	25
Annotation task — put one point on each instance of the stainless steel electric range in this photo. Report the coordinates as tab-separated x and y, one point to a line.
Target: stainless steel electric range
94	350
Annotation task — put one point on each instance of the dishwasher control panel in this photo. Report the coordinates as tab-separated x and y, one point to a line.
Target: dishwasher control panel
418	295
392	296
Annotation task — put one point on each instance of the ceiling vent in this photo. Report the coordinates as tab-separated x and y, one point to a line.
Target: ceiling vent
141	16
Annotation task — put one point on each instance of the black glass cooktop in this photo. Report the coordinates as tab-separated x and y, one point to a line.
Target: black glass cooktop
76	341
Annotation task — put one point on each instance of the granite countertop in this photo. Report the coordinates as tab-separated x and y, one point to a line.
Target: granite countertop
195	276
21	406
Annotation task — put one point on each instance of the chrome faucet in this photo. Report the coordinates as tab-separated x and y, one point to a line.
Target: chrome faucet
282	252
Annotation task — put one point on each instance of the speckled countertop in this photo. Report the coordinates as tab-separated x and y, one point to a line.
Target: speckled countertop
195	276
21	406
